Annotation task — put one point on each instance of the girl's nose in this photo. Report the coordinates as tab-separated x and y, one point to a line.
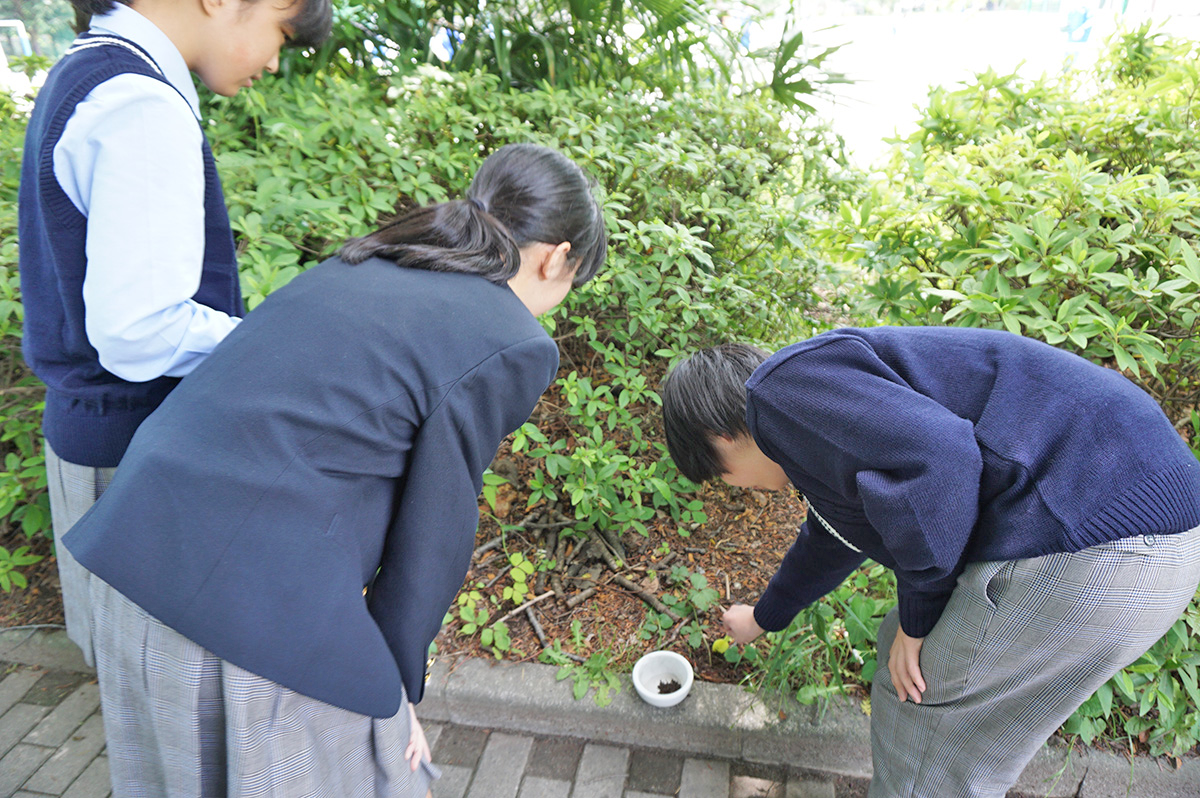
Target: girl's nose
273	64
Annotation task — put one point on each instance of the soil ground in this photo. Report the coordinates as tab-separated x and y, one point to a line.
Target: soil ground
737	551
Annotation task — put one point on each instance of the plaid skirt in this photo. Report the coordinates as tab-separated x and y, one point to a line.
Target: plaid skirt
73	489
181	722
1019	647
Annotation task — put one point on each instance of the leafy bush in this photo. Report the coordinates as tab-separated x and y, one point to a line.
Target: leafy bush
24	503
708	200
669	45
1057	212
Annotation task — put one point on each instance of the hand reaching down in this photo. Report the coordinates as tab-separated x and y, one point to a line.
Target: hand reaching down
739	624
418	746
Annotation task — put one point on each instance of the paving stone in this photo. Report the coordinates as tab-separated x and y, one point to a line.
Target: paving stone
15	685
23	794
94	782
750	787
432	732
799	787
655	772
537	787
453	783
65	718
71	758
554	758
17	722
758	770
460	746
498	774
638	794
54	686
704	778
19	764
601	772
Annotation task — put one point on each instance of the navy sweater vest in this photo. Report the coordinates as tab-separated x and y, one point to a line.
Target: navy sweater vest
91	414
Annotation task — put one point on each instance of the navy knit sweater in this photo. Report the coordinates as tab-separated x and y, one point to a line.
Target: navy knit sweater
928	448
91	413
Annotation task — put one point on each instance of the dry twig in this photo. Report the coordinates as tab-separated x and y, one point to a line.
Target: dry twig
647	597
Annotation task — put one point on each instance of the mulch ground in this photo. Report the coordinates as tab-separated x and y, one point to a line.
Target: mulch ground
41	602
736	550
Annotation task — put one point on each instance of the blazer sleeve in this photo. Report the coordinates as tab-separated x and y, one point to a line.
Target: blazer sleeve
432	534
914	465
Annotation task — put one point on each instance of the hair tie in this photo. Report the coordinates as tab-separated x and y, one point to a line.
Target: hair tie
477	204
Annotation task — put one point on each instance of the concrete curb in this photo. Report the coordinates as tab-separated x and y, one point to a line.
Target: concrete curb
725	721
715	720
46	648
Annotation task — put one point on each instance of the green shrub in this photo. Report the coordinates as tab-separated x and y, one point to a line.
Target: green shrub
24	503
708	199
1062	214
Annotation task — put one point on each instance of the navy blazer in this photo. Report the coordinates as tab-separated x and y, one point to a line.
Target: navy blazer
335	440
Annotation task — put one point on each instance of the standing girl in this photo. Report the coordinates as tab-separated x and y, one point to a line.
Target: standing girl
128	269
287	531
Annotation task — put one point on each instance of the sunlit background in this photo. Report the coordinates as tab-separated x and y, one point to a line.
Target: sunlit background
894	50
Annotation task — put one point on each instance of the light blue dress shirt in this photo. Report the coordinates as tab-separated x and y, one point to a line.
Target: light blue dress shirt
130	160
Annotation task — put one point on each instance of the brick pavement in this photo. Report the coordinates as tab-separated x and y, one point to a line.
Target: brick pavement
509	730
52	744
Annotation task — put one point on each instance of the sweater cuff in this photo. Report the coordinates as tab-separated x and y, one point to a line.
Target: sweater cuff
770	614
920	613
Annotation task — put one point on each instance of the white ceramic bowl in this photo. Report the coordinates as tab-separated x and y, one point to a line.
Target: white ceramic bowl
658	668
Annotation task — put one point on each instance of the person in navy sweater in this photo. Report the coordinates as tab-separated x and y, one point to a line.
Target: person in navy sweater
286	532
128	265
1039	511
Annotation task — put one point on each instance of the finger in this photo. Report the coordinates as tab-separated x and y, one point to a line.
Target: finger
903	681
913	693
914	674
896	670
898	681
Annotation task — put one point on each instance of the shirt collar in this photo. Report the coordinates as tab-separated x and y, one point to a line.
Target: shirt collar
125	22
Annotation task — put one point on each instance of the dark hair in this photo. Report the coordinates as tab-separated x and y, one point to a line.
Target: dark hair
310	26
522	194
703	397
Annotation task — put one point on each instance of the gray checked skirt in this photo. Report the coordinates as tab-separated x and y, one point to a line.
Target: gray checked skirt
1019	647
182	723
73	489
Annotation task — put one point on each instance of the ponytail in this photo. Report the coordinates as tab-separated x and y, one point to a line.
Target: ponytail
522	194
456	236
86	9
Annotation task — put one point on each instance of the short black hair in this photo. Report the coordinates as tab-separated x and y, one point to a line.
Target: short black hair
311	25
703	397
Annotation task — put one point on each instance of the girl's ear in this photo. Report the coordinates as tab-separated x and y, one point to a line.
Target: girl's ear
556	264
210	7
